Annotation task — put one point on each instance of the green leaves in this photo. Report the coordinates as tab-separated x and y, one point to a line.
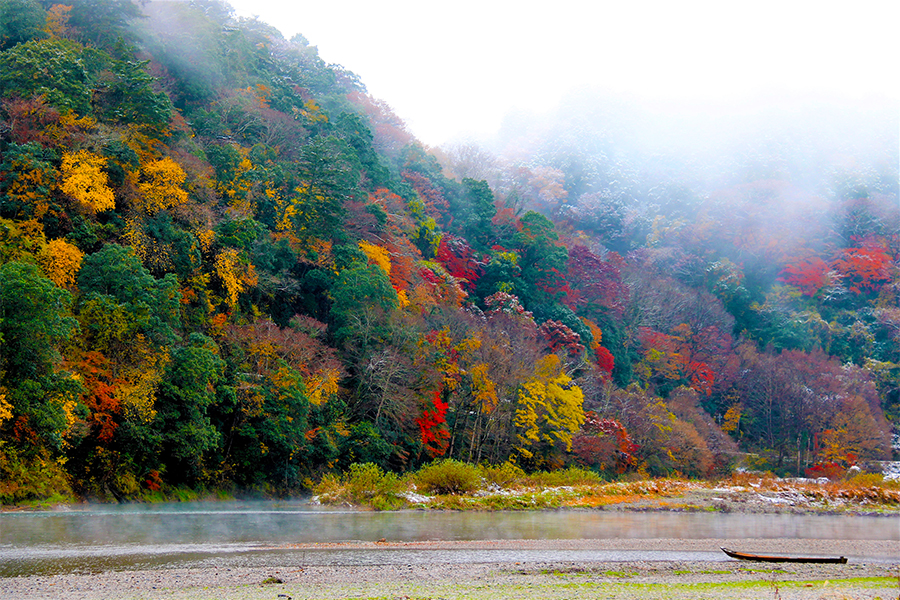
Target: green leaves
34	320
151	305
20	21
52	68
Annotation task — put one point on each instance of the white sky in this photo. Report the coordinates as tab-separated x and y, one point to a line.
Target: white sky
454	69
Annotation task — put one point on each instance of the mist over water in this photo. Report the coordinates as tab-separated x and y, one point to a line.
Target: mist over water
90	538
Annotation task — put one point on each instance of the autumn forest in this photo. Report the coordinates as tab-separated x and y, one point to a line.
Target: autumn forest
225	266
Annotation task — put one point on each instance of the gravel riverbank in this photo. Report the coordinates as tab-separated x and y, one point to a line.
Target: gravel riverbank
873	577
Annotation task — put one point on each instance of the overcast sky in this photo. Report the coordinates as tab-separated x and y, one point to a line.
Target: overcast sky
453	69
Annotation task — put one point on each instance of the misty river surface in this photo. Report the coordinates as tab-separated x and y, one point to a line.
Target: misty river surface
89	538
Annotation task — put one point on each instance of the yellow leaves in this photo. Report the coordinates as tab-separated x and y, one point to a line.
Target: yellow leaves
550	407
313	112
377	256
483	388
60	261
84	179
206	237
235	275
160	185
286	377
732	419
322	385
69	407
6	412
402	298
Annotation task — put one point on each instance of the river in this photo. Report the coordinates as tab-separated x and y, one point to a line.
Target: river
91	538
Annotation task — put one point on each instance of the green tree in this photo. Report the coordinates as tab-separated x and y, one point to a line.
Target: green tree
20	21
362	299
34	322
114	279
51	68
186	393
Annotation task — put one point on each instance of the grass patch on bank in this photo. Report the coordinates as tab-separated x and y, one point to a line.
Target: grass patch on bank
454	485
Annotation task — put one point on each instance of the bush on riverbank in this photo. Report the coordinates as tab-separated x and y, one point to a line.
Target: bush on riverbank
362	485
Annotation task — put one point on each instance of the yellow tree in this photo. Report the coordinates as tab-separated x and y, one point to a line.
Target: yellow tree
161	185
61	261
550	408
236	275
85	180
377	256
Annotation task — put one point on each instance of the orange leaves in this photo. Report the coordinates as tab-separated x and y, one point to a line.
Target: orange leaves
683	356
100	395
58	21
269	348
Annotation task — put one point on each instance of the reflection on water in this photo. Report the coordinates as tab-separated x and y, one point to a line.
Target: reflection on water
102	537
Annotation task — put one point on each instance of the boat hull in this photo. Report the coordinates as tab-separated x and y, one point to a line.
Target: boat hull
785	559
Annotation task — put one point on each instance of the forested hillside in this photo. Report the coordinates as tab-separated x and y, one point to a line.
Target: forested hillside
224	265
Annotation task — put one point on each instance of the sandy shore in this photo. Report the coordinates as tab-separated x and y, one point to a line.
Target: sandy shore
876	577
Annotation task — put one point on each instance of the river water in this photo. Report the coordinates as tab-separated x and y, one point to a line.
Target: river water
92	538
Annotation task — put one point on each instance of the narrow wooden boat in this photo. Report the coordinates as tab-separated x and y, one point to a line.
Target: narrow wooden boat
777	559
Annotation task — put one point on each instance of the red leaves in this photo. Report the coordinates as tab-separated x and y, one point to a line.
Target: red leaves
435	204
560	336
605	441
807	275
597	281
458	258
605	360
433	427
863	269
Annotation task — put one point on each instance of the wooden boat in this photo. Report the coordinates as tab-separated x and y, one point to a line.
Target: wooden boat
794	559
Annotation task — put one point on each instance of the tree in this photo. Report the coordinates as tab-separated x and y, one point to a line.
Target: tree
161	185
113	282
51	68
102	22
186	393
20	21
34	323
61	261
362	300
550	410
84	179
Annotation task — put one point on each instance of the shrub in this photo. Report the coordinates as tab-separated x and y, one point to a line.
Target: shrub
364	484
38	478
506	475
569	476
448	476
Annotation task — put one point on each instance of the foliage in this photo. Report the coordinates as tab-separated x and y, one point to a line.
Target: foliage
223	264
20	21
448	476
84	179
363	484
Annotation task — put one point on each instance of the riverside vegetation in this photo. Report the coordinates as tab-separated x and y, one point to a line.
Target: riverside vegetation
226	268
453	485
